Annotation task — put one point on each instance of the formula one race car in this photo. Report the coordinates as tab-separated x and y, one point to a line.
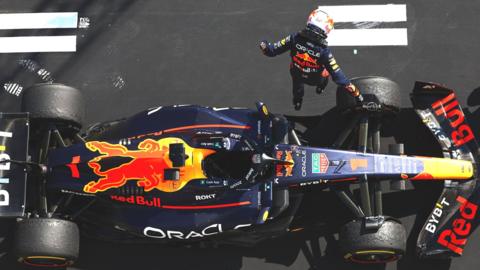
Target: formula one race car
189	173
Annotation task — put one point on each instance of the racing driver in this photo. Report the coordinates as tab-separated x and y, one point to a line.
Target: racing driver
312	61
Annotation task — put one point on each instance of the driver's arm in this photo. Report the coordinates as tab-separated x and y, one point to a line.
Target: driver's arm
338	76
279	47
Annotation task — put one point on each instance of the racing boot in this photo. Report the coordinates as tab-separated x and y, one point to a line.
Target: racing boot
297	103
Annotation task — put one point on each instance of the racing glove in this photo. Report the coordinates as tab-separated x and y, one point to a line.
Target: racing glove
355	92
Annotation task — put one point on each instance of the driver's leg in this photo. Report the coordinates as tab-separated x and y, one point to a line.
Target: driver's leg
298	91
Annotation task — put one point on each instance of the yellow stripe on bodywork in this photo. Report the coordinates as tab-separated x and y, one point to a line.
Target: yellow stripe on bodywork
443	168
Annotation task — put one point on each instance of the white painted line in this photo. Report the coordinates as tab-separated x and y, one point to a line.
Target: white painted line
368	37
6	134
4	180
367	13
39	20
38	44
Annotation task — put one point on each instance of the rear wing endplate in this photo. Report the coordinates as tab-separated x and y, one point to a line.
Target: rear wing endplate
455	215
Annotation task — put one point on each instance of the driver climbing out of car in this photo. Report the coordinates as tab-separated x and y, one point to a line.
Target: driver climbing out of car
312	60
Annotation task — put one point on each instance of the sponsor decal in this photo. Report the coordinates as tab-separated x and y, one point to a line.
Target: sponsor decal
146	166
449	108
436	215
205	197
305	60
200	233
315	182
432	124
333	64
138	200
4	194
456	238
320	163
356	163
83	22
214	182
156	202
235	136
236	184
4	197
307	50
284	170
304	163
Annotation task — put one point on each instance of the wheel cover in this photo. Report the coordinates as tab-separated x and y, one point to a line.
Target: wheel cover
372	256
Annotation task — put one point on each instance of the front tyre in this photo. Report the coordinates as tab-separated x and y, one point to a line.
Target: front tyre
375	90
359	245
46	242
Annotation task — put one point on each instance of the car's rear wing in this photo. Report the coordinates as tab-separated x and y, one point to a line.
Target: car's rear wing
13	147
455	214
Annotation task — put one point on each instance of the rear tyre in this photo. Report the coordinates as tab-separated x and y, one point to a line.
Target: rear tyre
378	90
54	103
6	227
359	245
46	242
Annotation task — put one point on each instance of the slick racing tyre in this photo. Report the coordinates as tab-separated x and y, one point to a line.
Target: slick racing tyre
375	91
359	245
46	242
54	103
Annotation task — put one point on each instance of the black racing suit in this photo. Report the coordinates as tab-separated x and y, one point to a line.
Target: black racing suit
311	63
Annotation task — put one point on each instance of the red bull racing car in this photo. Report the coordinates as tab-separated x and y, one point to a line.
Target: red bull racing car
189	173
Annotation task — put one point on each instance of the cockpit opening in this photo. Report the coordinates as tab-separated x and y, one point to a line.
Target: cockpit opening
228	164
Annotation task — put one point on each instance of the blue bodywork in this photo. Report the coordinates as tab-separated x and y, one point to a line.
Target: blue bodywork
218	201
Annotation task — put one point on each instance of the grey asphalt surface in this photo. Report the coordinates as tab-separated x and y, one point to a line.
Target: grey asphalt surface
139	54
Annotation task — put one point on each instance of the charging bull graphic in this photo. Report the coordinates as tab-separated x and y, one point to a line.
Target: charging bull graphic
284	169
147	165
305	60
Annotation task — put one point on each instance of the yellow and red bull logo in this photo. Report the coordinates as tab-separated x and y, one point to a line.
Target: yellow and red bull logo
305	60
284	169
146	167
